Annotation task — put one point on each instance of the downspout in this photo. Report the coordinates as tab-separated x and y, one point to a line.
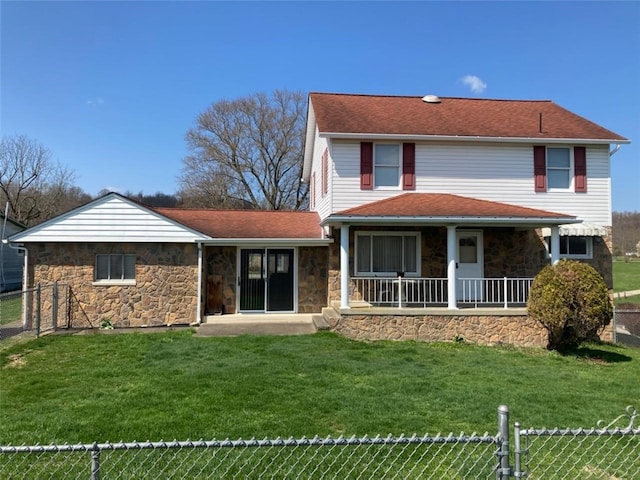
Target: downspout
199	301
615	149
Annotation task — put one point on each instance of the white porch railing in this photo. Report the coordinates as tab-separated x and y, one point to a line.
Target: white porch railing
414	292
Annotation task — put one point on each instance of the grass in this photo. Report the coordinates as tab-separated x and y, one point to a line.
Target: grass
10	308
171	385
626	276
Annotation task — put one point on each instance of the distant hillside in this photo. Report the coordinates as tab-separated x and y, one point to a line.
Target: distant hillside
626	232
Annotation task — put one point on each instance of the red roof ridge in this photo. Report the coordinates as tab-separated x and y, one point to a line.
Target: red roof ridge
439	96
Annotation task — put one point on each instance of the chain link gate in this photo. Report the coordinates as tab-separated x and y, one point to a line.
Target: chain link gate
608	451
46	307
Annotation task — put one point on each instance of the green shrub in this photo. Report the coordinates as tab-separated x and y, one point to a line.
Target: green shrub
571	301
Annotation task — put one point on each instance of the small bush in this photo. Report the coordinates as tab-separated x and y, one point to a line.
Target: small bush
571	301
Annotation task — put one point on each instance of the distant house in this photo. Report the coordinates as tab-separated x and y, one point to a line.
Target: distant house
429	218
10	258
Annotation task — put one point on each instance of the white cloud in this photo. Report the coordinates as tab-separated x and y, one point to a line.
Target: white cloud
95	102
474	83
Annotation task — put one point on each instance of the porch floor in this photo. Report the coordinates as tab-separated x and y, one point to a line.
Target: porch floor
260	324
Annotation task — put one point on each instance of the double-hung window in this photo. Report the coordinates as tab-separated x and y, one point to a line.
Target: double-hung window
559	167
574	246
386	165
115	267
387	253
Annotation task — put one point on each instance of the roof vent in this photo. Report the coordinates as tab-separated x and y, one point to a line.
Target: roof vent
431	99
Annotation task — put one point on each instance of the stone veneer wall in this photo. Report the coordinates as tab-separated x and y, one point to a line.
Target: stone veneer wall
165	292
487	329
312	279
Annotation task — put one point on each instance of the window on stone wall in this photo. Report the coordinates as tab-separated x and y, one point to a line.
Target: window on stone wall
114	267
574	246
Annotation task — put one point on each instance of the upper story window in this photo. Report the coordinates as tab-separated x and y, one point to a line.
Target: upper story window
558	167
115	267
387	253
386	165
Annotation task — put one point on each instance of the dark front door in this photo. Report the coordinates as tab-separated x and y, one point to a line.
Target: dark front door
266	280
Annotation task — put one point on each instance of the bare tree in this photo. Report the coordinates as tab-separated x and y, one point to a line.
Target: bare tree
247	153
34	186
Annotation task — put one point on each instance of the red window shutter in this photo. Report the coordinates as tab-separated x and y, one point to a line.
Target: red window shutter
366	166
408	166
580	169
325	172
540	168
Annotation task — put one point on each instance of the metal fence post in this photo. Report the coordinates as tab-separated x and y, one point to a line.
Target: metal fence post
503	470
95	462
54	306
517	451
38	310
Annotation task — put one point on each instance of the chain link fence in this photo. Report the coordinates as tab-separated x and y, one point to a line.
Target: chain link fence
41	309
609	452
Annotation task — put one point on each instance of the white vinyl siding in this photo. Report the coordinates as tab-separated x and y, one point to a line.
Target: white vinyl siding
111	219
322	202
500	172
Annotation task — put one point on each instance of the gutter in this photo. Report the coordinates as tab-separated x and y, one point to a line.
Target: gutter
462	138
422	220
288	242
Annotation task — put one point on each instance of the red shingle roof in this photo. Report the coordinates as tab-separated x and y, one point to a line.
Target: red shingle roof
445	205
247	223
467	117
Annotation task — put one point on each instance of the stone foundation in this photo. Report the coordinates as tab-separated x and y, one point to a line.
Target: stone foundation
510	327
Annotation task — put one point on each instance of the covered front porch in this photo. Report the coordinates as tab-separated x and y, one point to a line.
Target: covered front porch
439	251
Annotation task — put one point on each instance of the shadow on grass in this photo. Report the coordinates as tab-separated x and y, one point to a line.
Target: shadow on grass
597	355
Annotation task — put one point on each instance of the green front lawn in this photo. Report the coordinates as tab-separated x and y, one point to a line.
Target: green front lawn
626	276
172	385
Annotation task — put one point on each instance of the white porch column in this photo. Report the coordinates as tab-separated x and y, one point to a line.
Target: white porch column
555	245
344	266
451	267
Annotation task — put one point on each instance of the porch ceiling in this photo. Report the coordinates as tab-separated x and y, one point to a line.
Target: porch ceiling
447	209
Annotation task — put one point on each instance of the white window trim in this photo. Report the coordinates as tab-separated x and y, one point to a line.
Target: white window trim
570	187
112	281
400	160
586	256
388	234
108	283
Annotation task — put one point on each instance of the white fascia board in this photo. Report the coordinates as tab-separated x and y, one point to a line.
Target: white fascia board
105	239
272	242
460	138
309	143
439	221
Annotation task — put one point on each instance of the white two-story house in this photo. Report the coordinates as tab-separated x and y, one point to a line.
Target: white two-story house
454	202
429	218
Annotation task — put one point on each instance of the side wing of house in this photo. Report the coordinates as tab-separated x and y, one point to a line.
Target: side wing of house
116	260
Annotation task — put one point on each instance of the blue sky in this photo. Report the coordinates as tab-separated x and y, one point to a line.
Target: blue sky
112	87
